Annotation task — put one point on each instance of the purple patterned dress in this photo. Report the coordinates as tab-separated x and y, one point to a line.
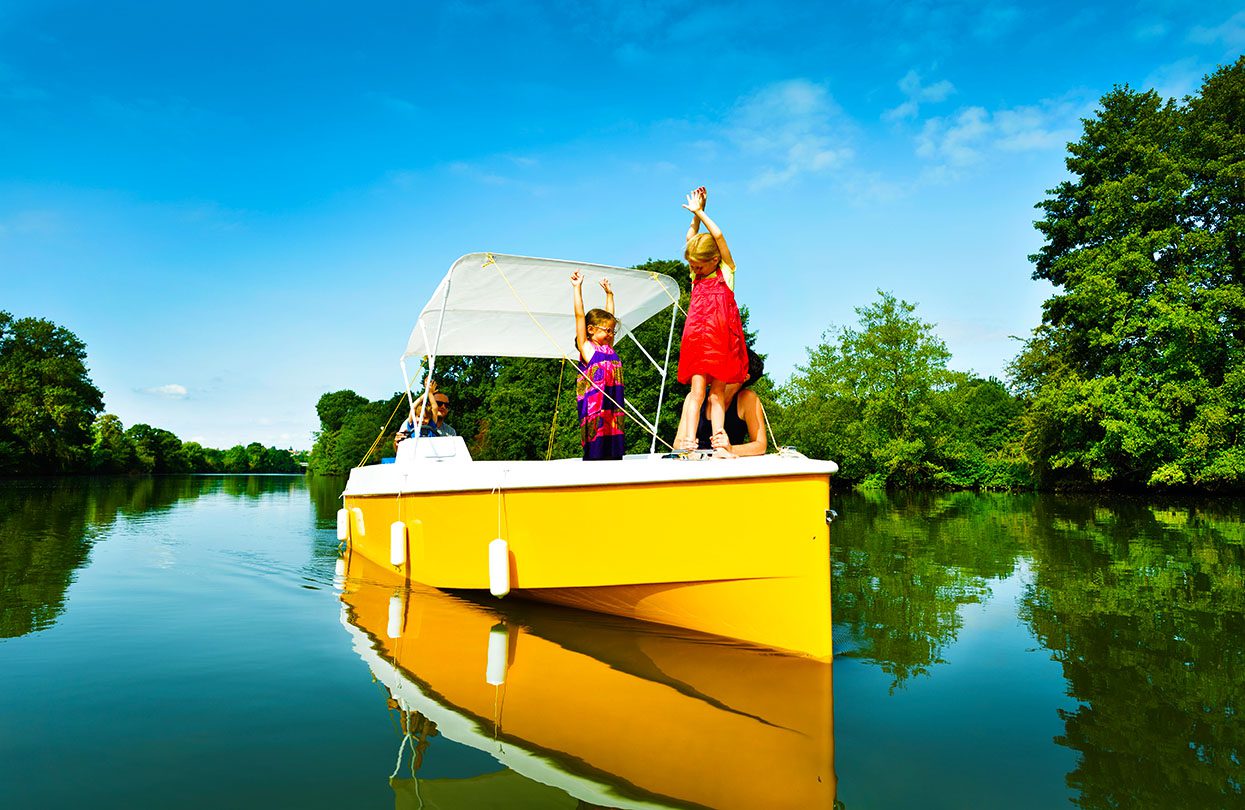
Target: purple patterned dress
601	416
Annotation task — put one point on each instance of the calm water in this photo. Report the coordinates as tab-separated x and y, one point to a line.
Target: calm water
198	642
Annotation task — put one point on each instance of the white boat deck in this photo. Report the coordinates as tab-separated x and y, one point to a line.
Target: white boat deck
443	464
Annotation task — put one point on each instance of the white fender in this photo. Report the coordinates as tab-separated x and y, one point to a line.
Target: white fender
339	573
498	567
396	611
498	655
358	516
397	543
343	525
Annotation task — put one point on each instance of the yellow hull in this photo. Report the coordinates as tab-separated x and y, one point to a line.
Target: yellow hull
741	557
615	713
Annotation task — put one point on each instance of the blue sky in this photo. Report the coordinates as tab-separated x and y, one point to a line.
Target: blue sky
241	206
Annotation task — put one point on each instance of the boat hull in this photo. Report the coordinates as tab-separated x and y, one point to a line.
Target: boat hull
744	556
616	714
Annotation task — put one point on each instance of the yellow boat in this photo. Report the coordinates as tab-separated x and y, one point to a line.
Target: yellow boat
588	710
733	547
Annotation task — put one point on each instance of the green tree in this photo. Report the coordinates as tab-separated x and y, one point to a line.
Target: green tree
1135	375
335	407
111	450
157	450
235	460
869	397
195	458
47	400
979	436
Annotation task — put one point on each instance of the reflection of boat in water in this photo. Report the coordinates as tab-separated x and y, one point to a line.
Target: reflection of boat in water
736	547
611	712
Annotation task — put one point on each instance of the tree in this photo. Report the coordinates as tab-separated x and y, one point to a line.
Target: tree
357	438
157	450
1135	375
979	436
335	407
867	396
235	460
47	399
111	451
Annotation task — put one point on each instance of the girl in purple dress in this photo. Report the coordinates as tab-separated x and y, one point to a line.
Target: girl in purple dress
599	388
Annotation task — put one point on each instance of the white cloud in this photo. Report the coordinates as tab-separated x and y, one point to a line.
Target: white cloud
955	142
169	391
916	94
795	127
1175	80
1231	33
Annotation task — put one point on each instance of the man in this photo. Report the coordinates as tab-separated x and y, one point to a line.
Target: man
434	423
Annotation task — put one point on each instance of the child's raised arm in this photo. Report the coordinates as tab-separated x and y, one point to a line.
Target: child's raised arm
581	329
609	295
694	228
696	204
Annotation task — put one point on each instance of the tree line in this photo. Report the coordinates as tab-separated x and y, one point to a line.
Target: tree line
52	419
1134	379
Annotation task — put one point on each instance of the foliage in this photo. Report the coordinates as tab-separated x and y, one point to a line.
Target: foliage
1143	608
146	449
881	401
357	439
50	418
47	399
1136	375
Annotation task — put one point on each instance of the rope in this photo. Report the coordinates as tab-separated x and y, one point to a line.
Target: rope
383	430
635	412
497	489
653	274
553	427
768	429
397	766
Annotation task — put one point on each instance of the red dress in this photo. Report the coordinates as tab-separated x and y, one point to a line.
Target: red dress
713	336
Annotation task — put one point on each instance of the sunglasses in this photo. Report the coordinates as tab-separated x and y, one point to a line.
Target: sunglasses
443	403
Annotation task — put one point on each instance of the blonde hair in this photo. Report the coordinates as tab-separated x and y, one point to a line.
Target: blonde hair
702	248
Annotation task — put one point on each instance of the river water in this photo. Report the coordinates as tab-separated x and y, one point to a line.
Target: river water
199	642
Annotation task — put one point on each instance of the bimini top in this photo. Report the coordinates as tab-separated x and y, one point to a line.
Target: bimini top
514	306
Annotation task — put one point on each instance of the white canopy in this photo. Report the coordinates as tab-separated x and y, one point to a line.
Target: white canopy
514	306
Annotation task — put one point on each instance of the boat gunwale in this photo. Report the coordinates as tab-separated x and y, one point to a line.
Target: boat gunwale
389	480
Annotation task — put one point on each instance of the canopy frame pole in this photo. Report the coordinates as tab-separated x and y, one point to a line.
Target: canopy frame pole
432	360
650	357
665	369
406	379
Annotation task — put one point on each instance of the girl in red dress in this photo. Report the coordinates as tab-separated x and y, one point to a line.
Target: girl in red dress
713	353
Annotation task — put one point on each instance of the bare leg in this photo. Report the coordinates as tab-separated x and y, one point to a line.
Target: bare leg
690	418
717	406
